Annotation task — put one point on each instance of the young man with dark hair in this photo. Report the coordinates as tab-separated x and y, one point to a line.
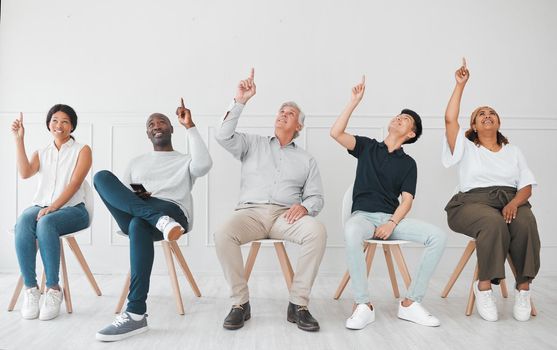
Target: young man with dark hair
384	173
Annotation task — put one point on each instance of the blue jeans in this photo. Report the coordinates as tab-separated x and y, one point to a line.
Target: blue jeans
361	226
47	232
137	218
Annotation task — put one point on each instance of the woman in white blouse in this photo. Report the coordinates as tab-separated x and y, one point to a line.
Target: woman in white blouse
492	203
58	206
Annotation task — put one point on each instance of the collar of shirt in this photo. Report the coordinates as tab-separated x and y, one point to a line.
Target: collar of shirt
290	144
399	152
66	144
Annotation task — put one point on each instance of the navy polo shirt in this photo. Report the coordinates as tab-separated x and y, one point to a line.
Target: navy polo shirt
381	176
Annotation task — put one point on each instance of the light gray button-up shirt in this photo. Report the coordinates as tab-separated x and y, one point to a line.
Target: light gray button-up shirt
270	173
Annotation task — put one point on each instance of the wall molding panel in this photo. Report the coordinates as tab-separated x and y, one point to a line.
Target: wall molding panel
117	137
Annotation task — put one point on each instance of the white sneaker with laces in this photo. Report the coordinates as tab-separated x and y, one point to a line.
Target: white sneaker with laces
522	307
485	302
418	314
361	317
51	306
170	229
30	307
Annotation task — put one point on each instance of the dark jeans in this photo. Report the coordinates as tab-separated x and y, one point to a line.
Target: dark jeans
137	218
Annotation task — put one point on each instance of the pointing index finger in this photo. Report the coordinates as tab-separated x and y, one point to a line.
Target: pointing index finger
363	79
464	62
252	73
182	102
21	116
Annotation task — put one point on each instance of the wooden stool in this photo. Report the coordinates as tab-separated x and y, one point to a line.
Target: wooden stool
171	251
72	243
390	248
281	254
468	251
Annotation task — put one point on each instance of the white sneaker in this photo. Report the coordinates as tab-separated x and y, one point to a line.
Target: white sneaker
418	314
522	307
51	306
30	307
170	229
485	302
361	317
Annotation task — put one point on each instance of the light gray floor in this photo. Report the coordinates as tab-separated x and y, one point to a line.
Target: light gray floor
201	327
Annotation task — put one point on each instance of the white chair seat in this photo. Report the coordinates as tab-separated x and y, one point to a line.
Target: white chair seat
268	241
72	234
387	242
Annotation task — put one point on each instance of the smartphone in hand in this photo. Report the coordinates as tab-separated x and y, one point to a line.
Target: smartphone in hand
138	188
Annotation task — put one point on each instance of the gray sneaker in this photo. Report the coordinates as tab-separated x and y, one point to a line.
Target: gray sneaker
122	327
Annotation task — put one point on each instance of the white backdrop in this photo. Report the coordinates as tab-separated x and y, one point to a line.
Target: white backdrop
116	62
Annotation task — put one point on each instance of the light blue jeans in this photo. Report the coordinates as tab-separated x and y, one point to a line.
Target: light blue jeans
47	232
361	226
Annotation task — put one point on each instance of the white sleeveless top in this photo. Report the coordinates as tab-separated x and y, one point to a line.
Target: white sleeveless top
55	172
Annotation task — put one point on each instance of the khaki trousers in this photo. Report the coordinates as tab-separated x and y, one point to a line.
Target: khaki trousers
251	222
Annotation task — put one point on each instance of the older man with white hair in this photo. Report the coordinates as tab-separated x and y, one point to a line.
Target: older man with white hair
280	195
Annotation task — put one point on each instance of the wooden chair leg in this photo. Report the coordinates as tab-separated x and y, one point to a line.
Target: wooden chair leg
345	279
468	251
124	294
391	268
401	263
83	263
42	287
173	277
66	287
43	274
534	311
15	295
471	296
253	250
342	285
503	286
370	254
284	264
185	268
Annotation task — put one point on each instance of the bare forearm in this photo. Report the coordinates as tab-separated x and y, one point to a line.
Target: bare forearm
453	107
66	195
522	195
23	164
401	212
341	123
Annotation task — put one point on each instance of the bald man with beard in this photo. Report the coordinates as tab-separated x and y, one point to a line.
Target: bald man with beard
152	202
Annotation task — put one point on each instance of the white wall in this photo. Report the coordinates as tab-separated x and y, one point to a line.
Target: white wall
116	62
